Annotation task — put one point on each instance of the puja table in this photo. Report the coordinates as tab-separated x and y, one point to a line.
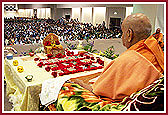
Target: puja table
24	94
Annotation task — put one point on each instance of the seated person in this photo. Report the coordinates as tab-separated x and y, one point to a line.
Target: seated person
159	37
140	65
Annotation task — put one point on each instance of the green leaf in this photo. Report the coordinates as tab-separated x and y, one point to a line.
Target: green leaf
30	50
79	92
93	51
95	107
92	104
75	97
63	88
86	47
60	108
77	86
155	93
106	108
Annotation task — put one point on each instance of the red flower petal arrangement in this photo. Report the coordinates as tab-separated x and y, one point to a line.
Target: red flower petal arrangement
81	54
54	74
92	58
36	59
47	68
69	53
101	62
87	57
70	64
49	56
57	42
47	43
59	55
40	64
31	54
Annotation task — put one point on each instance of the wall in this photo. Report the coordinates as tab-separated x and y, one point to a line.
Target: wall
92	5
33	6
94	16
61	12
67	11
10	14
98	14
26	10
153	11
121	11
53	11
19	13
159	22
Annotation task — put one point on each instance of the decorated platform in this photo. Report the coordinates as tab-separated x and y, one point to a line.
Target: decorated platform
24	75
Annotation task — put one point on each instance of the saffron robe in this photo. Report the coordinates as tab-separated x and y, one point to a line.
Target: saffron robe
128	73
151	50
159	38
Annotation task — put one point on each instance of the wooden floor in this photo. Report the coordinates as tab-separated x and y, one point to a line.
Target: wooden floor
100	45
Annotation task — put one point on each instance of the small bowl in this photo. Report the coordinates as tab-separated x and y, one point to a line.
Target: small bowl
9	56
29	78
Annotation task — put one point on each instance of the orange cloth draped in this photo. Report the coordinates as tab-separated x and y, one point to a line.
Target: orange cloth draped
131	71
159	38
151	50
127	74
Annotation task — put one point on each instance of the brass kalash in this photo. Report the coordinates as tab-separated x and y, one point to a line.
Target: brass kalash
52	45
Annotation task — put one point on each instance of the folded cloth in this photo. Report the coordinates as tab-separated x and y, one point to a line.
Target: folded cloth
50	89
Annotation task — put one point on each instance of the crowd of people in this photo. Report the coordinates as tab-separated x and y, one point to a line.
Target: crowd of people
22	30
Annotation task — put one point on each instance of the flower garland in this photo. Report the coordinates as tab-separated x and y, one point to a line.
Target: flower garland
109	53
63	65
47	43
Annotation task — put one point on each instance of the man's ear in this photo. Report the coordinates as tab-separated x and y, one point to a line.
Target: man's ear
130	35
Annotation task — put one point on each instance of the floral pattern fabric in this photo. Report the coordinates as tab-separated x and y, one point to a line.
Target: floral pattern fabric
73	97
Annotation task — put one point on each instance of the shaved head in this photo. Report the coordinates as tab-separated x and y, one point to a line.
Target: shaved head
139	25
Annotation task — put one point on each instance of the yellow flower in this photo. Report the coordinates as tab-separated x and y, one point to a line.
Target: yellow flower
115	56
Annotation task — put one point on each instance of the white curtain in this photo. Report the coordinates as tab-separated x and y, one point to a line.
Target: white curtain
129	11
87	15
48	12
43	13
25	12
75	13
99	15
10	14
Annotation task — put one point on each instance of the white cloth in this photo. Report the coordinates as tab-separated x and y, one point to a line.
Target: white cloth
51	88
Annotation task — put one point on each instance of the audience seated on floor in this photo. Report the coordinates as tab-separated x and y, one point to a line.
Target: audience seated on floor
22	30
